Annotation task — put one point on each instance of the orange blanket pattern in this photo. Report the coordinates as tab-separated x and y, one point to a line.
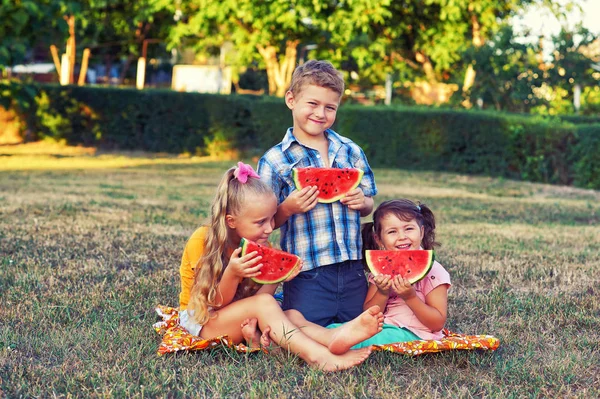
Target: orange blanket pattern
175	338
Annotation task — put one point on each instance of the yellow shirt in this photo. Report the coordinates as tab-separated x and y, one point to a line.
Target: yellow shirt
194	249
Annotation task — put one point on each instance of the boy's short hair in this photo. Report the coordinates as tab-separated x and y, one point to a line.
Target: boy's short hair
318	73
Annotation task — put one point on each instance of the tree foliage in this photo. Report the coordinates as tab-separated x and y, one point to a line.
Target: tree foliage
116	28
269	33
436	42
508	72
572	58
26	23
423	39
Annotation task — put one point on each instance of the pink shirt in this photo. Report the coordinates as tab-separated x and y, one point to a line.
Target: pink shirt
399	314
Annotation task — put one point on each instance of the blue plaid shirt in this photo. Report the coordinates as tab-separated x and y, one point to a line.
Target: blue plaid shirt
329	233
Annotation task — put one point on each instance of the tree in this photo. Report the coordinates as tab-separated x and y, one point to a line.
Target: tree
572	60
24	23
270	32
117	29
266	32
509	73
39	23
425	41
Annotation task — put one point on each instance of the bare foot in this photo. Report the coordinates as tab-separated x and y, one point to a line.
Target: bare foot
265	339
367	324
250	333
351	358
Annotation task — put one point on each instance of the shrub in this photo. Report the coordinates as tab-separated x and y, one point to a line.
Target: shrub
516	146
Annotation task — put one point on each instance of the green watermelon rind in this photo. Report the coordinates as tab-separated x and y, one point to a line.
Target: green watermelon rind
299	186
412	280
244	245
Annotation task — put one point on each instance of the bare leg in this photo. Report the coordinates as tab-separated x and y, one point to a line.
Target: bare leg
282	332
341	339
250	333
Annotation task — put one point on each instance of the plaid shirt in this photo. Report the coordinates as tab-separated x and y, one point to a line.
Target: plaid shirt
329	233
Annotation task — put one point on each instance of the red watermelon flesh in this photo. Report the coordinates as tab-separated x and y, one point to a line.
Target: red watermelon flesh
277	265
412	265
333	183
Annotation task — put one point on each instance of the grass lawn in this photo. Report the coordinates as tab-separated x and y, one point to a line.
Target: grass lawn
89	244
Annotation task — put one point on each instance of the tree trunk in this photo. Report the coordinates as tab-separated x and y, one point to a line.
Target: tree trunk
279	70
108	66
140	36
577	97
71	47
125	68
477	42
427	67
432	90
469	79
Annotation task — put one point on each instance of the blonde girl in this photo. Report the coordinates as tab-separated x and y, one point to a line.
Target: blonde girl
416	311
222	297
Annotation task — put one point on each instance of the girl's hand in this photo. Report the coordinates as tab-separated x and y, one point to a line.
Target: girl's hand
246	266
403	288
383	282
301	201
354	199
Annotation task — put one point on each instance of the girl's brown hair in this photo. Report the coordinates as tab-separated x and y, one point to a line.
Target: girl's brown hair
403	209
230	199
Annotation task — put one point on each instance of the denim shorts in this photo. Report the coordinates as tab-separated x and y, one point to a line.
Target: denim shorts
328	294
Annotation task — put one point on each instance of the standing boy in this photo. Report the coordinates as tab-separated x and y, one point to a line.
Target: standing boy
332	286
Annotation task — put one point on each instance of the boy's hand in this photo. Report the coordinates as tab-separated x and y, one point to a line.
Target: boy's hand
301	201
403	288
246	266
355	199
383	282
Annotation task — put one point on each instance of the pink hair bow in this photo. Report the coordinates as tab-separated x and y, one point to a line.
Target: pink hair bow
243	172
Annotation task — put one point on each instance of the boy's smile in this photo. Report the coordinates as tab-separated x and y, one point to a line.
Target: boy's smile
314	110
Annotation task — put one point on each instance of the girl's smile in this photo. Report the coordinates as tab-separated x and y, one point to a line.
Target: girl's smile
400	235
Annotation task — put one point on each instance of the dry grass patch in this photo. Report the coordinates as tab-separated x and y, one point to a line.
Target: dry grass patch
90	244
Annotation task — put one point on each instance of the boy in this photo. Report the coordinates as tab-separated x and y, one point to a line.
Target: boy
332	285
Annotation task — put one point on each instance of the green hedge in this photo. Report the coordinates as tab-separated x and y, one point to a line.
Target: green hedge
151	120
585	157
475	142
581	119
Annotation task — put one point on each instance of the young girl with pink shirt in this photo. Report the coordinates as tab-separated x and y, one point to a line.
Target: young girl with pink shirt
416	311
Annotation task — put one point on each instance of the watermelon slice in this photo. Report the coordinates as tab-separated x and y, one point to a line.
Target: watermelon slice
277	265
413	264
333	183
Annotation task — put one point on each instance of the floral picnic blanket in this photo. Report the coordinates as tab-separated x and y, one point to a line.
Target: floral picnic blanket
175	338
